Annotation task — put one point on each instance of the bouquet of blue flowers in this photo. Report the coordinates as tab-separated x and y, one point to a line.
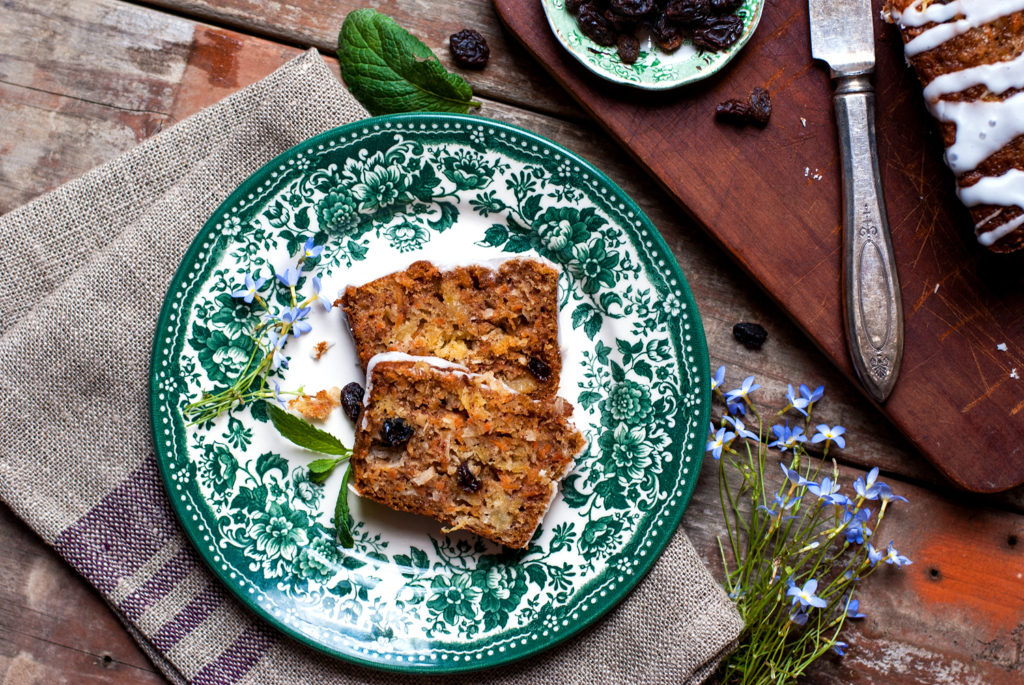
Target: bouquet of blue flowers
794	552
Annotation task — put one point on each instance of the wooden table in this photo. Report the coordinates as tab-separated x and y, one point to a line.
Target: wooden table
83	81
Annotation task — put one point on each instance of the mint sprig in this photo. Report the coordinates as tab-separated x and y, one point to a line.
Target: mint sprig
389	70
305	434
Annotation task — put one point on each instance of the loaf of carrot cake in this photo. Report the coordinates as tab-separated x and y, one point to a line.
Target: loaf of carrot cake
968	55
461	447
503	320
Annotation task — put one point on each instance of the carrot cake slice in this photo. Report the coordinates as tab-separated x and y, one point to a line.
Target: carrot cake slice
461	447
503	320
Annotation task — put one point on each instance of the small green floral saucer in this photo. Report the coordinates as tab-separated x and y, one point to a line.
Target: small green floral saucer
379	194
655	69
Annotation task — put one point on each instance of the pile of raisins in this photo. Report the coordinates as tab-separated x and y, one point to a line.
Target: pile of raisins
711	24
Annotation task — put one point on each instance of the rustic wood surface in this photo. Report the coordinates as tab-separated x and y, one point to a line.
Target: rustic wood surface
958	397
81	82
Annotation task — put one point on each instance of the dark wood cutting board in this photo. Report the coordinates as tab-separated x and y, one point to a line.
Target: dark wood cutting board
771	198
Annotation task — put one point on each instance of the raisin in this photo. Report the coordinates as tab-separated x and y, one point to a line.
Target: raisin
539	368
760	106
395	432
632	8
734	112
594	26
352	400
725	6
465	478
756	110
629	50
469	49
750	335
688	12
620	23
718	33
666	35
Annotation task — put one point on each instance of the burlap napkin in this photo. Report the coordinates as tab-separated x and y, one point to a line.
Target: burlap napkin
84	270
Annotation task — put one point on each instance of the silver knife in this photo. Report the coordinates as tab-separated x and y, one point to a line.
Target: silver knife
842	36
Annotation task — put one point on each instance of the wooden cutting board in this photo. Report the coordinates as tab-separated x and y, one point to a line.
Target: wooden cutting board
771	198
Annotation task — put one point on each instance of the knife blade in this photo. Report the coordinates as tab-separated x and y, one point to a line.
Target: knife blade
842	36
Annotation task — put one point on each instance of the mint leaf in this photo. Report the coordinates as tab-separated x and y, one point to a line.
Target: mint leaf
341	517
305	434
389	70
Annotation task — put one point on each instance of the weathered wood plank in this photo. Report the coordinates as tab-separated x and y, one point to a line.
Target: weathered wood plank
75	120
54	628
511	75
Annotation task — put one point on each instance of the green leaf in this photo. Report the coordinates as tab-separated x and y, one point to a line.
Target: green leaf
420	558
357	250
589	398
449	213
518	243
531	208
323	465
389	70
642	368
305	434
341	517
573	497
593	325
618	375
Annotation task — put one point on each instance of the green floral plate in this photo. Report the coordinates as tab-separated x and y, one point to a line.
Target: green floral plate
379	194
655	69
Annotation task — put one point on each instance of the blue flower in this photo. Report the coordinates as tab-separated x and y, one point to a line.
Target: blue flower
805	595
811	396
830	435
781	505
786	437
310	251
277	392
251	287
741	430
720	441
736	407
874	556
296	317
886	495
828	492
868	489
853	609
893	557
798	616
794	477
276	343
856	531
323	301
840	648
743	391
798	403
718	378
290	277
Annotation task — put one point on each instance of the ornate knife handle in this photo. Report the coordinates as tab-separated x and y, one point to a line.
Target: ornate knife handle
873	309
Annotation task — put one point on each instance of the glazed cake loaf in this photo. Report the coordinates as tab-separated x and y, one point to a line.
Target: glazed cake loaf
503	320
968	55
463	448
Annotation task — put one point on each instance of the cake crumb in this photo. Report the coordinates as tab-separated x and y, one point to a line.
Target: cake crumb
320	349
1001	347
317	407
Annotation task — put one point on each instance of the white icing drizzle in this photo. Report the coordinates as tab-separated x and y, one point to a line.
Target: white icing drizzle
982	128
988	239
993	190
998	78
973	13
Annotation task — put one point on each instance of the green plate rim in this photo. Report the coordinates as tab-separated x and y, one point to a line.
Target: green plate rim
696	447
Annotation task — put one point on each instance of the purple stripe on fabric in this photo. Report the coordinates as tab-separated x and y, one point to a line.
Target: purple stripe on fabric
162	582
238	659
124	530
189	618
